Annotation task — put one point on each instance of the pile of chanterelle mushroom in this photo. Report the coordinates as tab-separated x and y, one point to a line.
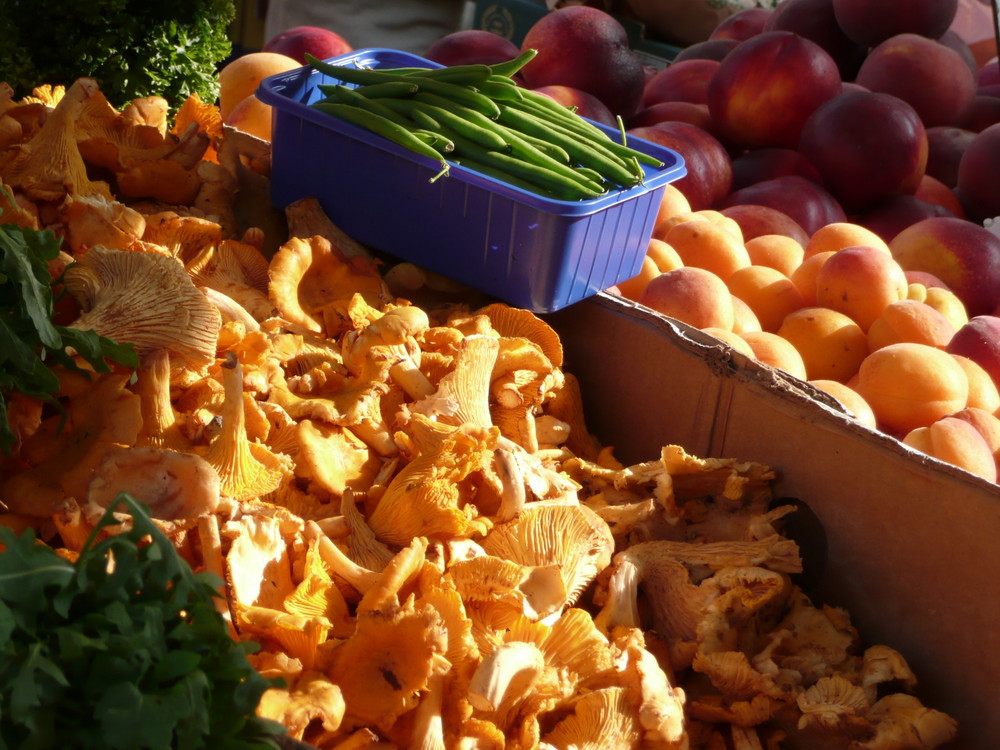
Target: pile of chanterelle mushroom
405	504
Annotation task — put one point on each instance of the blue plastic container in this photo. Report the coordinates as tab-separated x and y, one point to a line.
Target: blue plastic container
523	248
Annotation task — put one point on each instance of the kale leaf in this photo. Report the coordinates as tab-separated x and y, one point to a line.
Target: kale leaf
30	343
122	649
133	48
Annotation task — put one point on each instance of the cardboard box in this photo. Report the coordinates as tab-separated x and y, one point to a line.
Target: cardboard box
912	543
511	19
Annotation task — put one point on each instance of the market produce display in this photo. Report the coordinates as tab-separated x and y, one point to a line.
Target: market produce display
404	503
831	222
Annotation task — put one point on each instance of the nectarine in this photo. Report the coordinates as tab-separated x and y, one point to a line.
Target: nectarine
764	90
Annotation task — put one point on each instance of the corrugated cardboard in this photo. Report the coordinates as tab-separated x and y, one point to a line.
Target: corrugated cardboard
913	544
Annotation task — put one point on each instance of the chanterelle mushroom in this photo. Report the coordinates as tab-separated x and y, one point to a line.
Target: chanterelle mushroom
144	299
49	166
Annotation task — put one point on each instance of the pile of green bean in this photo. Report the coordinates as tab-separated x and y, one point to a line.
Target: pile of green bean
477	116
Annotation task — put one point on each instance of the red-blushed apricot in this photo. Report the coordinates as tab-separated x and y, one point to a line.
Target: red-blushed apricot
831	344
778	251
769	293
632	288
850	399
956	442
840	234
744	319
804	277
709	245
692	295
775	351
987	424
252	116
983	392
909	320
860	281
911	385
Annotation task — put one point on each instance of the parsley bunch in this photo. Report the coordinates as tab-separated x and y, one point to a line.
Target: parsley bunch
133	48
30	343
122	650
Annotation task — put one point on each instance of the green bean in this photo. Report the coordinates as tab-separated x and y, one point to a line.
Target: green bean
462	75
539	105
465	124
586	152
387	89
500	92
437	141
567	194
385	127
363	76
346	95
524	170
510	67
546	147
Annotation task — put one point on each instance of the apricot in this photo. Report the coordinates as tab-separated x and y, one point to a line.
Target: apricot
775	351
251	116
909	320
983	392
777	251
948	304
831	344
840	234
672	202
663	255
769	293
709	245
632	288
692	295
956	442
850	399
859	282
240	77
744	319
804	277
988	425
911	385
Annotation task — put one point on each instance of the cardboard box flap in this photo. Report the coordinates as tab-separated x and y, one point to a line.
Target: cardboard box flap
912	542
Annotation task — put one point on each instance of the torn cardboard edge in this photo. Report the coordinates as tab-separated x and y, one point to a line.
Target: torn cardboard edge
912	542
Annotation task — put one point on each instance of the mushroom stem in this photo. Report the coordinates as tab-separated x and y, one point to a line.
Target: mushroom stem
428	726
621	605
360	578
511	669
512	498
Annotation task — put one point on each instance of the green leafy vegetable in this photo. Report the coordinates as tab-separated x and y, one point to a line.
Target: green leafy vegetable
30	343
132	48
122	650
